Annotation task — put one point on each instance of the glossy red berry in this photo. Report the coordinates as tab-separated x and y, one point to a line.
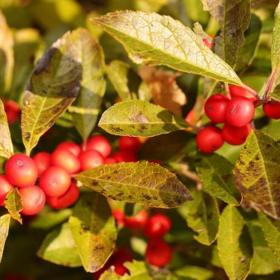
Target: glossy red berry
235	135
137	222
21	170
157	226
272	109
55	181
90	159
71	147
215	108
209	139
5	187
65	200
118	259
33	200
124	156
131	144
236	91
100	144
158	252
240	111
42	161
12	111
65	159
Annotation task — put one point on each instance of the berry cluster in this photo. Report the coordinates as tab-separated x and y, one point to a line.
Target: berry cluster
48	177
235	113
155	227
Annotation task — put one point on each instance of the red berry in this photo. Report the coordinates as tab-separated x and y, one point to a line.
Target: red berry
118	259
42	161
240	111
12	111
236	91
33	200
109	160
272	109
157	226
235	135
65	159
124	156
90	159
119	216
130	144
5	187
55	181
158	253
21	170
71	147
209	139
137	222
100	144
215	108
65	200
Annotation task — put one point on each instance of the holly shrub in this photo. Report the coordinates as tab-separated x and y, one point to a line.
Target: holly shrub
140	139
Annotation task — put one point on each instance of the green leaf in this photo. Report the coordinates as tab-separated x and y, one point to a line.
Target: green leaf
138	182
271	230
139	118
118	74
234	19
94	231
248	49
256	174
215	173
4	231
6	145
59	247
149	5
202	216
155	39
54	85
275	48
264	261
6	55
87	106
194	272
234	247
13	205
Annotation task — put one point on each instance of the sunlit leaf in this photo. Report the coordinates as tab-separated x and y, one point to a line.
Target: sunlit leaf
4	231
140	182
155	39
94	231
13	205
139	118
54	85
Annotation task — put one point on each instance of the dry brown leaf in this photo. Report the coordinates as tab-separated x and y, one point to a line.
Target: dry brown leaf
164	89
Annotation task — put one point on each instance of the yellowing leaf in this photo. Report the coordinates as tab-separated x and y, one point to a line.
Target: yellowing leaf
257	174
155	39
140	182
54	85
234	244
13	205
4	231
94	231
6	145
139	118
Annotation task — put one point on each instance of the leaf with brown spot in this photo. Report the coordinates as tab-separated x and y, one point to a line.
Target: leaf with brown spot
13	205
257	174
164	89
94	230
6	145
54	85
139	118
140	182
